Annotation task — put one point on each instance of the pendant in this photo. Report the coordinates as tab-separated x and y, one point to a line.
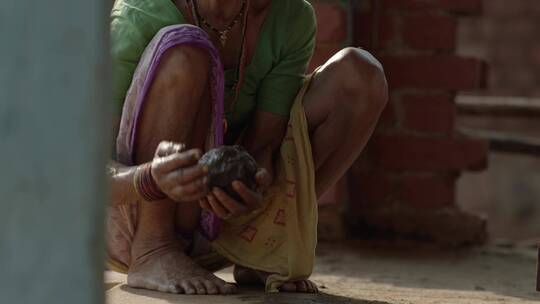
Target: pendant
223	38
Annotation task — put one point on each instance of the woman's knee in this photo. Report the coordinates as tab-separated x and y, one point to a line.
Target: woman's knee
183	67
177	95
360	76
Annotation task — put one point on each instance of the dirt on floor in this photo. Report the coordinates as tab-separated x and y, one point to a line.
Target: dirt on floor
358	272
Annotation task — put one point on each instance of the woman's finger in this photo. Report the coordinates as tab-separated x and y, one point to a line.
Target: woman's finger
234	207
188	175
251	198
191	199
196	187
205	205
175	161
166	148
190	192
263	178
218	209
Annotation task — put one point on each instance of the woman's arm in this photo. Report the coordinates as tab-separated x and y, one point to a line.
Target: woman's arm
263	138
121	177
175	172
278	90
122	189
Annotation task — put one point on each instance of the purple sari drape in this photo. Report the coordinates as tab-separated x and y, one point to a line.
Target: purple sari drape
167	38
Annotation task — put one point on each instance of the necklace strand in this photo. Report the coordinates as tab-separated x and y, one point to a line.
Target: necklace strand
222	34
242	56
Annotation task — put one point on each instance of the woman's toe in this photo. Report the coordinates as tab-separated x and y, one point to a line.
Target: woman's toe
312	287
301	286
226	288
170	289
189	289
211	287
288	287
199	287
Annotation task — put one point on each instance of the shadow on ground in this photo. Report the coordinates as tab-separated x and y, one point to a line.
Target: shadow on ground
245	296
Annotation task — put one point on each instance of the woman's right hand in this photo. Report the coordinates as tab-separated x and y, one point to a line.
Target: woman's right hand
178	174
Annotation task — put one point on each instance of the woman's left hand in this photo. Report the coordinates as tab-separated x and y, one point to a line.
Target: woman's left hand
226	207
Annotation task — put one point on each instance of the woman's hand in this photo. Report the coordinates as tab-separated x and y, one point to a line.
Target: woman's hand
226	207
178	174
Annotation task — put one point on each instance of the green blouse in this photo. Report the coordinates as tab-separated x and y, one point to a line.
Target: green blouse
272	79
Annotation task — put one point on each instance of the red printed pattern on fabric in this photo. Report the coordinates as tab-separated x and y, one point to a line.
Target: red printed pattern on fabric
248	233
291	189
280	217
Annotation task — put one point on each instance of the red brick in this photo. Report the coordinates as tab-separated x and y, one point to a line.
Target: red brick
434	72
535	55
427	192
404	153
388	117
322	54
436	32
371	190
332	23
336	195
434	113
456	6
364	31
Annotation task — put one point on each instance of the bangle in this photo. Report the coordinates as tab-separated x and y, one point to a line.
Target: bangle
145	185
111	169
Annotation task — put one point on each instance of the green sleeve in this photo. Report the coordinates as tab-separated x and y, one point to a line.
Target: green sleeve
133	25
279	87
125	46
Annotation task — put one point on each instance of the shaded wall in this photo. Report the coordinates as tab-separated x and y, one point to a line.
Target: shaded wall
507	36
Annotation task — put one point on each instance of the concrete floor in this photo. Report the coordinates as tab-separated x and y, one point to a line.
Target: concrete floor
359	273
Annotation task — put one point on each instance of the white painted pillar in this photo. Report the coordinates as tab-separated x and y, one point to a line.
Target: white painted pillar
53	120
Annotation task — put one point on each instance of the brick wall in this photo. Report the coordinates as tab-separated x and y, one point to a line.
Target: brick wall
507	35
332	31
404	183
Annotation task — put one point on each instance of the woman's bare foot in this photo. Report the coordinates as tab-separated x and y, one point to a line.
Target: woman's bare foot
247	276
166	268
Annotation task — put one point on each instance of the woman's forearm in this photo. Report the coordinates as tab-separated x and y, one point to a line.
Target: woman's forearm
163	178
265	157
122	189
264	137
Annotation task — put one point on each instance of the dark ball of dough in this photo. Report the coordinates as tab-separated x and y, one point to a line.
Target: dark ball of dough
227	164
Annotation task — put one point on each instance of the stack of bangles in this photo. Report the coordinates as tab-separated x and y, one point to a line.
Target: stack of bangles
145	185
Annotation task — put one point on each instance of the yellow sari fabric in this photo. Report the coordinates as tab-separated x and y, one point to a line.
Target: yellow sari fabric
281	238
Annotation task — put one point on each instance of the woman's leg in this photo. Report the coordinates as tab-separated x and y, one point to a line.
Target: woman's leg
342	107
177	108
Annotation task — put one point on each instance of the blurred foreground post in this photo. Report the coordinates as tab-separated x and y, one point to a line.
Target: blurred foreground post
538	270
53	76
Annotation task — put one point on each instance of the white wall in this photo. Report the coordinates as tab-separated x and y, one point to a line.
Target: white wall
53	117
